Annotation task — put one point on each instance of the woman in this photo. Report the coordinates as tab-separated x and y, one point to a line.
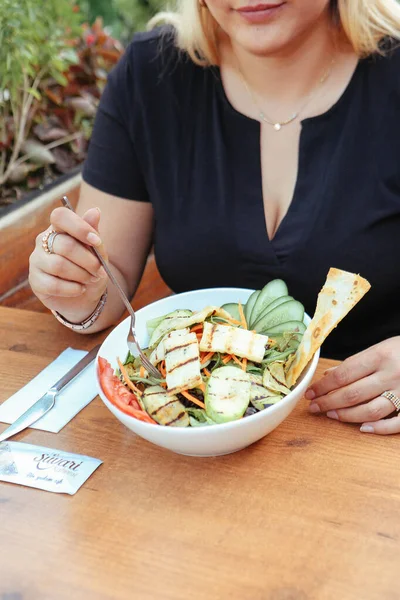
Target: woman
250	141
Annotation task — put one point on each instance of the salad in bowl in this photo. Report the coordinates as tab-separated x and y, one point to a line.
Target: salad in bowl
229	359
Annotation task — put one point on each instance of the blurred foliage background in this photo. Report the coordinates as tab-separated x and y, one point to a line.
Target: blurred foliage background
55	56
121	17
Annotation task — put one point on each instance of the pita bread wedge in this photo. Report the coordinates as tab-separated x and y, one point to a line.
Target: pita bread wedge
340	293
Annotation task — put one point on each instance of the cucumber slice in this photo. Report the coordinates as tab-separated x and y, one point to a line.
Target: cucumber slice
232	309
153	323
274	304
292	310
227	394
295	326
250	304
171	320
274	289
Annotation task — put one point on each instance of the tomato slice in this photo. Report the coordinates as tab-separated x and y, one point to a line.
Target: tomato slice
118	394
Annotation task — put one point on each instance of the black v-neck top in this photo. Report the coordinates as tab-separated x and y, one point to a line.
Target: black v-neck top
165	132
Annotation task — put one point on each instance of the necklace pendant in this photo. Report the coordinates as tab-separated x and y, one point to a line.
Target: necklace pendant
277	126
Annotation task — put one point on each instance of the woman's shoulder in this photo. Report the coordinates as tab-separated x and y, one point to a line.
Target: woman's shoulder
151	43
379	81
386	65
153	60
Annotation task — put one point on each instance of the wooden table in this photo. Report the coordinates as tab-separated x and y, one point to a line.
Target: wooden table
312	512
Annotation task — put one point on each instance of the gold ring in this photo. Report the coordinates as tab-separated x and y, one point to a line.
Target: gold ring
395	400
48	241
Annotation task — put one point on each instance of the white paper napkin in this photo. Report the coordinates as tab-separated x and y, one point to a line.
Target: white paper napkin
69	402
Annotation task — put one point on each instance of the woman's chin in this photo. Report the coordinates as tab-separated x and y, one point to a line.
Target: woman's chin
262	43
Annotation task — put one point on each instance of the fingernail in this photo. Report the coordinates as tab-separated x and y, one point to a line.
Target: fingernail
101	274
329	370
332	414
314	408
93	239
367	429
97	208
94	279
310	394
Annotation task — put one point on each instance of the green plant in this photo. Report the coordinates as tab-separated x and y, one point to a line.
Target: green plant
135	15
122	17
52	73
32	47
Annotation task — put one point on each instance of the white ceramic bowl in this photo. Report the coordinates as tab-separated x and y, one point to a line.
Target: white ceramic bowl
200	441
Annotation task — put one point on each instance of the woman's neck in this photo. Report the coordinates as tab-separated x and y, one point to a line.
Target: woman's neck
301	64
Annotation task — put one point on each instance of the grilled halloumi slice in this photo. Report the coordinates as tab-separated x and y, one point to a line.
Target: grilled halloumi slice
158	353
233	340
182	361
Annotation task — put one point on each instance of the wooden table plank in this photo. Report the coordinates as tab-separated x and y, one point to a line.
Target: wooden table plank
39	335
311	512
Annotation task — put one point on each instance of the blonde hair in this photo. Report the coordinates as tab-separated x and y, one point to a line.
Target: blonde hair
366	23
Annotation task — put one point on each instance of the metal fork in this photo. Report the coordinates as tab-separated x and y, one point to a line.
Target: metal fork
131	339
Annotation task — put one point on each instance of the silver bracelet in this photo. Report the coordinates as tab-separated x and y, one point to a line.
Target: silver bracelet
87	322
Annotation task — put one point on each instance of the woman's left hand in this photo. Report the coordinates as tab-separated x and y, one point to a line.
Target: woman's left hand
351	392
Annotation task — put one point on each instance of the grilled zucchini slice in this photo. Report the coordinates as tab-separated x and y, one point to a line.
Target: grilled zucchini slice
227	394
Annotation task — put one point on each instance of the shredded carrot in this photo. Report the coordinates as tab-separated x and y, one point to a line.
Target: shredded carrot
202	387
232	321
244	364
163	384
235	358
206	372
128	382
142	371
207	357
197	327
227	358
225	315
242	317
193	399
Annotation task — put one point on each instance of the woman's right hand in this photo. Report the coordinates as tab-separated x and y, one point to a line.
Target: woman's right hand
71	280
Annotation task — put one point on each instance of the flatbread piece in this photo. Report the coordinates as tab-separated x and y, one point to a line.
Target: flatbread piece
340	293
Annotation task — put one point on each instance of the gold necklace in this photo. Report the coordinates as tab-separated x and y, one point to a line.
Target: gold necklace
277	125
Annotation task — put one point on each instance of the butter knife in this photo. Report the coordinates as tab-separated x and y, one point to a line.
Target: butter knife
47	401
